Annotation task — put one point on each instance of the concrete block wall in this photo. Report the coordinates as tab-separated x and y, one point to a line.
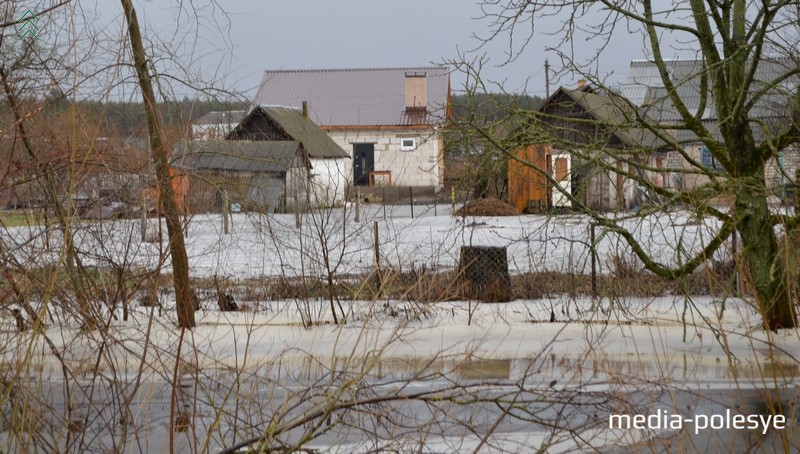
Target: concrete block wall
419	167
778	169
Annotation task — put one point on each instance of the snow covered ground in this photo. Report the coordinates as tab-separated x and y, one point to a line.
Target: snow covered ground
260	245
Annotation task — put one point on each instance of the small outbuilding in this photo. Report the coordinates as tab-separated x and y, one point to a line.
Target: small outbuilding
275	160
594	141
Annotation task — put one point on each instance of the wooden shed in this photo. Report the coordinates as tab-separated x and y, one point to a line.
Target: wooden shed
528	189
276	159
588	131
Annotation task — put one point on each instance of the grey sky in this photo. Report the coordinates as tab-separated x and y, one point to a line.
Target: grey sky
303	34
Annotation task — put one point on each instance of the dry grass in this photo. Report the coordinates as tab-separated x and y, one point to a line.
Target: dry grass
431	286
487	207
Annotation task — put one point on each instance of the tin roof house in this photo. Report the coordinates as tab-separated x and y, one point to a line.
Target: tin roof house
645	88
388	120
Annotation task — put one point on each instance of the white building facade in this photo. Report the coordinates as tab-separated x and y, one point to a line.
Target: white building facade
388	119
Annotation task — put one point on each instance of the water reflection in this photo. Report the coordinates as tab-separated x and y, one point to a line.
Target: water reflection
210	408
619	368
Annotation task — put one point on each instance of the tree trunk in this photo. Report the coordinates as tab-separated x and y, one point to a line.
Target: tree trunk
160	157
796	190
767	269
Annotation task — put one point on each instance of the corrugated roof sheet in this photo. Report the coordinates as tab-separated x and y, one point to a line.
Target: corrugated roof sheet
221	117
236	155
617	115
354	97
644	87
315	141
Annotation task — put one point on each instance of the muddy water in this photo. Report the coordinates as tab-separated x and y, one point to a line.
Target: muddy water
454	397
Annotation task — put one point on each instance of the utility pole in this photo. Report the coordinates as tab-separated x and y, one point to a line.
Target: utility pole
547	78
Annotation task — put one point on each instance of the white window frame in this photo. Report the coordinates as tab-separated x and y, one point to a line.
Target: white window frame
404	147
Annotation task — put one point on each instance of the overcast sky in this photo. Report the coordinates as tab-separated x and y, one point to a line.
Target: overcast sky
231	48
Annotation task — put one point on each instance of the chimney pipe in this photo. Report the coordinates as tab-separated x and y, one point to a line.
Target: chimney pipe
305	109
416	90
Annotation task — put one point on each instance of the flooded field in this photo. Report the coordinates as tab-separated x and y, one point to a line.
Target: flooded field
343	404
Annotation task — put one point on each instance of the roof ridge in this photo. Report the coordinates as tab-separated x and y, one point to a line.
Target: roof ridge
279	106
362	69
770	59
667	60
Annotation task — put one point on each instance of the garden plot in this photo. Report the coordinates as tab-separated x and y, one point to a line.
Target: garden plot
259	245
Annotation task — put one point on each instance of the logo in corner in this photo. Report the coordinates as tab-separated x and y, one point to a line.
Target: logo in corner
28	25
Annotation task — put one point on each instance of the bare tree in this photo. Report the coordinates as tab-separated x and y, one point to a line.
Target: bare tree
161	154
743	62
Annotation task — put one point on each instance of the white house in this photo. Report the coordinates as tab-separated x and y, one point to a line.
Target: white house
388	119
215	125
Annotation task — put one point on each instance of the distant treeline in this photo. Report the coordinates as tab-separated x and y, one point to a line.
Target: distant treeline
492	106
128	118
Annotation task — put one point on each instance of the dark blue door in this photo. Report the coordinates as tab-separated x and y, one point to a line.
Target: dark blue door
363	162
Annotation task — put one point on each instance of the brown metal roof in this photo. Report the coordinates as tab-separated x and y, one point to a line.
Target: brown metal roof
356	97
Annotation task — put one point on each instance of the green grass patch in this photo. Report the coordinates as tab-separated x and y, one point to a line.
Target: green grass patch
16	218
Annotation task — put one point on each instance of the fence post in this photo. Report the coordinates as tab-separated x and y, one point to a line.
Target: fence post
143	226
736	280
383	199
377	247
296	188
453	199
358	205
411	196
225	208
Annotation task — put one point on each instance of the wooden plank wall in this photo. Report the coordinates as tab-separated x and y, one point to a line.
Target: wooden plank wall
527	187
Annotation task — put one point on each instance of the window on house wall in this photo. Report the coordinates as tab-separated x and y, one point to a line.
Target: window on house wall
707	159
408	144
